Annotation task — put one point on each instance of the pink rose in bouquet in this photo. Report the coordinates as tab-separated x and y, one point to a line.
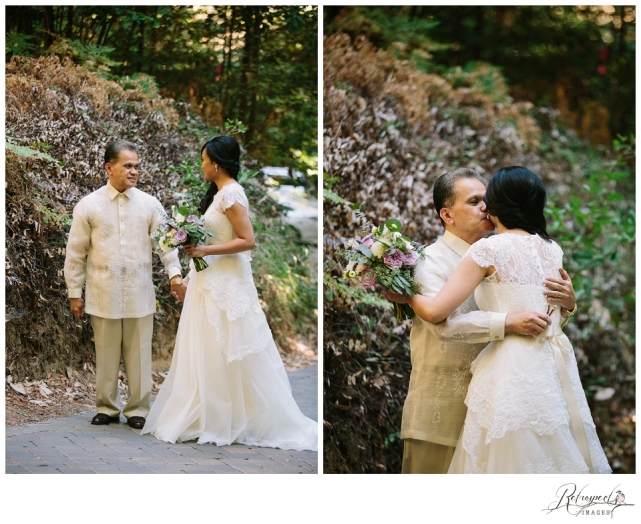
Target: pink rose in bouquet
368	277
410	259
180	236
394	259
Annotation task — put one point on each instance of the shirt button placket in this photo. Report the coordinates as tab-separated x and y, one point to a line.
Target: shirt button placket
121	224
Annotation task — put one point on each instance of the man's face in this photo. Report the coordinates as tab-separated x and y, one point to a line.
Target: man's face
123	172
467	218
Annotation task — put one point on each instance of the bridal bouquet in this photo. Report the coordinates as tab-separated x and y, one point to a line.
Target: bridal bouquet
386	257
183	227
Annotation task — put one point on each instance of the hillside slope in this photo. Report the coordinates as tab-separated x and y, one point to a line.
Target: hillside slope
65	115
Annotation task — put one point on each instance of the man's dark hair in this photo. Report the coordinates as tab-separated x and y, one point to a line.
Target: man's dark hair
444	193
517	197
114	148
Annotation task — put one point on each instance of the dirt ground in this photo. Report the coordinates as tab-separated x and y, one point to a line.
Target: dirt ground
60	396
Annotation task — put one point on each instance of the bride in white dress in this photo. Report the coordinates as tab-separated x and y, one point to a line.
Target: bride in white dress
227	382
527	411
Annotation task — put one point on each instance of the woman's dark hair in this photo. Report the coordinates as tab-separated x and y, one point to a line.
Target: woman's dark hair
225	151
517	197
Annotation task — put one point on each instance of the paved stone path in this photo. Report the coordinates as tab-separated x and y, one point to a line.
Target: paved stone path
73	445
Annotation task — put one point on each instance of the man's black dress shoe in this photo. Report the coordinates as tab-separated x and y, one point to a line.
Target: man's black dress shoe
102	418
136	422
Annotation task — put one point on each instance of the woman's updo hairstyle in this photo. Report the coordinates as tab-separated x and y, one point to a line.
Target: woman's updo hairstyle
224	151
517	197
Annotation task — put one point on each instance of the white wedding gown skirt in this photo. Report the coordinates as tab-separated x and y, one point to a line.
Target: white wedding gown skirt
527	411
227	382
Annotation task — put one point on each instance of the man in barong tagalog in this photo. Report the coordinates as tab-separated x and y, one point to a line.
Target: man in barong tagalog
434	410
109	252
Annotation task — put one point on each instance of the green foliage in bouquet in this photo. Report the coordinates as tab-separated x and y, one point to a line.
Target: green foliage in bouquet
386	257
184	227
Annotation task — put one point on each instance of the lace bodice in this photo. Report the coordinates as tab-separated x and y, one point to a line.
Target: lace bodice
521	265
518	259
216	221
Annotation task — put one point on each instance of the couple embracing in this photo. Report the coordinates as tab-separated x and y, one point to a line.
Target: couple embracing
494	386
227	382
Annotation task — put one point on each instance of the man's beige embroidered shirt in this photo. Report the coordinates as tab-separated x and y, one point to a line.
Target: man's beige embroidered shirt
441	353
109	251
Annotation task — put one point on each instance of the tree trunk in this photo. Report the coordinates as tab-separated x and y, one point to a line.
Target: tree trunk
108	25
69	28
103	30
21	19
83	24
227	73
253	81
479	28
248	14
141	43
621	13
49	25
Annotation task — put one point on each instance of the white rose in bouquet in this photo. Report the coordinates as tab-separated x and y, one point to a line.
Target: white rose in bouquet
378	249
165	248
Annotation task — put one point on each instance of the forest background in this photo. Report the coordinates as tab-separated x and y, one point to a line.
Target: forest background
168	78
413	92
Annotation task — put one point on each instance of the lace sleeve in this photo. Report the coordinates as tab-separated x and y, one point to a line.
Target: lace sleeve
481	253
230	195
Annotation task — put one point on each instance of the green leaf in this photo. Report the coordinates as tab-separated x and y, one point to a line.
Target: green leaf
244	176
365	250
396	287
27	152
333	197
404	280
393	224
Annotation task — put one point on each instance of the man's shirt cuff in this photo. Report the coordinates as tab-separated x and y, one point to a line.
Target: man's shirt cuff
497	326
75	293
172	272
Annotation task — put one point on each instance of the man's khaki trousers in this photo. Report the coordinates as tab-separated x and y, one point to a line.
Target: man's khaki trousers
420	456
129	338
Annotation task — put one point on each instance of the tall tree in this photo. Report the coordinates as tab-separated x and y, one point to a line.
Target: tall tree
257	64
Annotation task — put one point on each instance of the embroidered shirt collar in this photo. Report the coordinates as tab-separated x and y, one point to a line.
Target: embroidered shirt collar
113	192
456	244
